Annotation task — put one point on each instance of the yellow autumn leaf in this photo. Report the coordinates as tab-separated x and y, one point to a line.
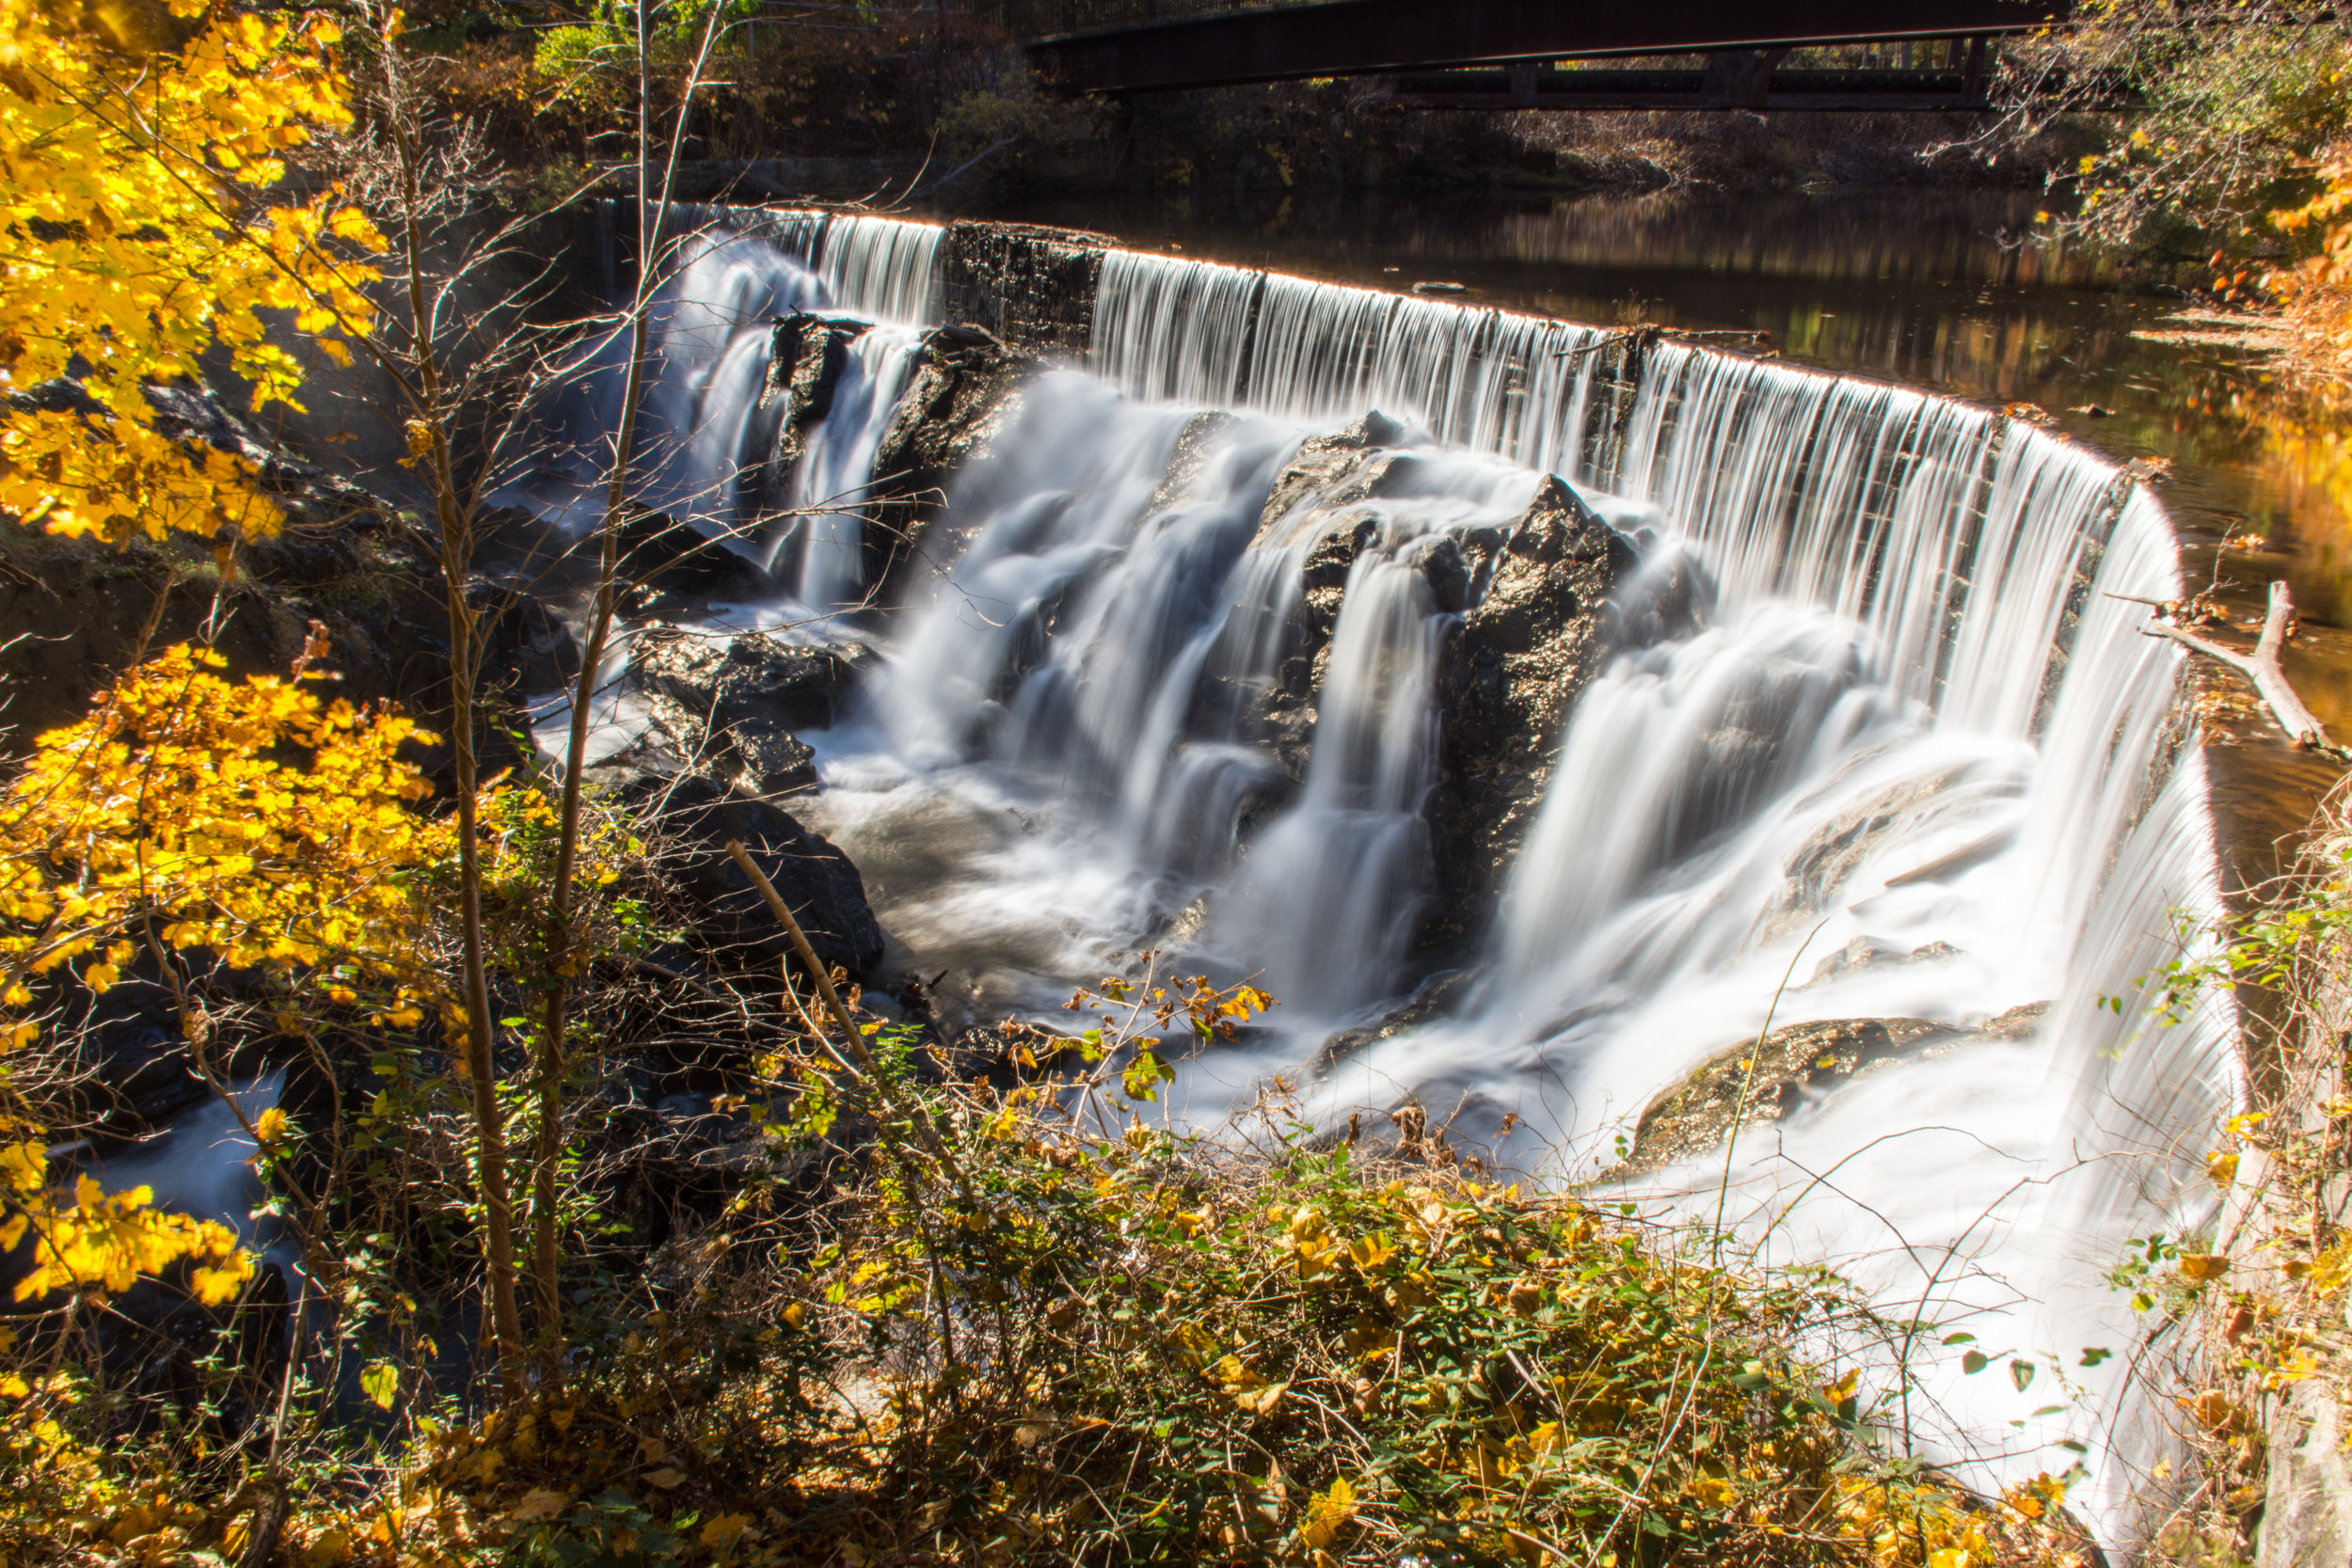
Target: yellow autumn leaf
269	1128
1327	1513
380	1382
722	1532
1234	1373
2202	1266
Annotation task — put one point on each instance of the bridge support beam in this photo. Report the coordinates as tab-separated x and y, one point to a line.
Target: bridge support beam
1345	37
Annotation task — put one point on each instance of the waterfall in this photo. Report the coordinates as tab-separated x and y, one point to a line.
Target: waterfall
836	465
884	268
707	436
1906	756
1515	386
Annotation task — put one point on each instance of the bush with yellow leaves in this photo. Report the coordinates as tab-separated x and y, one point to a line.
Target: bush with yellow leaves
1041	1336
199	825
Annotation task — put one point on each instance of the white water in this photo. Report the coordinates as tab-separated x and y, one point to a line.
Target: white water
1908	654
708	442
705	451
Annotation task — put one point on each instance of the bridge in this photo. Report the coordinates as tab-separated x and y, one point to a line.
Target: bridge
1422	44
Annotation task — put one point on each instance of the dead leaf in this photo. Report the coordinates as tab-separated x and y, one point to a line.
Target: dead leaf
664	1478
538	1505
1260	1401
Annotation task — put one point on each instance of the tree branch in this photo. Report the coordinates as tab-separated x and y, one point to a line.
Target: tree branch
2269	676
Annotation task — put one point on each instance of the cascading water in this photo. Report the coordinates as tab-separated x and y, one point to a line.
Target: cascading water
708	423
836	466
1913	718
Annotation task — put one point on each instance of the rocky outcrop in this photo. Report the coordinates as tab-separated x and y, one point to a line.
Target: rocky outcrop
730	703
1533	600
689	820
1536	626
956	398
1031	286
1325	474
805	365
1788	1064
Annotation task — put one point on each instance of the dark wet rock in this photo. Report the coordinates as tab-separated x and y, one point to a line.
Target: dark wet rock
692	820
731	703
531	647
1031	286
665	562
1328	472
1534	636
1436	996
1790	1064
130	1037
959	396
80	611
805	366
806	358
747	676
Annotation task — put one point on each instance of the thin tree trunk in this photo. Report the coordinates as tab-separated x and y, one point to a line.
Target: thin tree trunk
560	959
456	532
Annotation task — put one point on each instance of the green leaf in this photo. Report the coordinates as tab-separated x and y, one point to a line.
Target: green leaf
380	1382
1144	1074
1974	1362
2093	1355
1960	1338
2021	1373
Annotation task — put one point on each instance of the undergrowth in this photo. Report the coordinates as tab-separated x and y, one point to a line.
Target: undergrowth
1006	1328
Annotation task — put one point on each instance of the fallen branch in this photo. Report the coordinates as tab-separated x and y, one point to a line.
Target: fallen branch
2269	676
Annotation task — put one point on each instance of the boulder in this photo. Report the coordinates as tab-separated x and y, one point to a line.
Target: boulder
692	820
1536	620
1535	629
731	703
1791	1063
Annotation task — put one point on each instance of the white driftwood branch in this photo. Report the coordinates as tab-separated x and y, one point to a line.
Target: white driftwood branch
2263	668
